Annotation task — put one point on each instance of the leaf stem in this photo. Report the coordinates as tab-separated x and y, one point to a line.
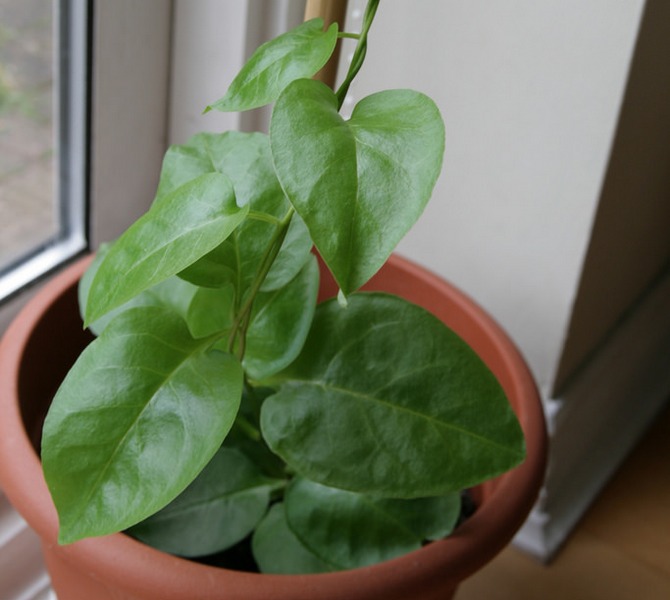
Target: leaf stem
351	36
261	216
359	52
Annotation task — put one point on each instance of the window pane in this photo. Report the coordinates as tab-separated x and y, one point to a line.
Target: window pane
27	210
43	58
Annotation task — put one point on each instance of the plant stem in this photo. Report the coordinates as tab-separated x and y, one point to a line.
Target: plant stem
243	317
359	52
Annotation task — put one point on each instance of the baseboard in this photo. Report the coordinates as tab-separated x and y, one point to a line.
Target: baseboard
599	418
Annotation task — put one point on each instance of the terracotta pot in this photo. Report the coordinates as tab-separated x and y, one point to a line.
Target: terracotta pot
44	340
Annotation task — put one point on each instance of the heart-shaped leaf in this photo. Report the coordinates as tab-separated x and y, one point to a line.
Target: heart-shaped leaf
351	530
221	507
178	229
360	184
385	399
298	53
139	415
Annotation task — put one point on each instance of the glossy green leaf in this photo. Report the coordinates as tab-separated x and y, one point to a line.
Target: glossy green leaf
353	530
278	327
242	157
276	548
298	53
221	507
280	322
211	311
173	293
360	184
140	414
179	228
294	253
246	160
385	399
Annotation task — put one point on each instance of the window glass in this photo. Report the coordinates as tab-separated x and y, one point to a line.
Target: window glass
42	136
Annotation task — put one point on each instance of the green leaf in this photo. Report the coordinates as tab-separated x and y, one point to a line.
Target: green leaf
139	415
353	530
294	253
221	507
298	53
173	293
246	160
361	184
385	399
280	322
211	311
243	157
178	229
276	548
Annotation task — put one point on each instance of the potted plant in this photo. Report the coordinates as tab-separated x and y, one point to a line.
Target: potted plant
244	398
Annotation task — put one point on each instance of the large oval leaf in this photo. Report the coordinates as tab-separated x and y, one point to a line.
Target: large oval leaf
385	399
298	53
220	508
351	530
361	184
177	230
142	411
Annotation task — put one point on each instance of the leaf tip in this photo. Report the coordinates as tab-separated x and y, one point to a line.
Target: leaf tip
342	299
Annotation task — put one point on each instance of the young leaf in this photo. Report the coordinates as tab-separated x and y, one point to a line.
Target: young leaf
298	53
246	160
211	311
385	399
280	322
178	229
353	530
276	548
220	508
139	415
361	184
243	157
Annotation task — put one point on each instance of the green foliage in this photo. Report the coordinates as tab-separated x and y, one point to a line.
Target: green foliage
294	55
219	402
382	396
221	507
377	171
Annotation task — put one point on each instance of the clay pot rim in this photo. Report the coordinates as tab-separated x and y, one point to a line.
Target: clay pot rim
463	552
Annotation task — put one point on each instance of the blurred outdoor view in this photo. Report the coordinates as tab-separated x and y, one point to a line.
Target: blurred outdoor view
28	207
